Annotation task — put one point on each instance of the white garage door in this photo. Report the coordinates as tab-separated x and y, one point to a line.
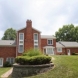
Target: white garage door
1	62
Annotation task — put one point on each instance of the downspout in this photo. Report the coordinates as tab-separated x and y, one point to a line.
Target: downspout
16	44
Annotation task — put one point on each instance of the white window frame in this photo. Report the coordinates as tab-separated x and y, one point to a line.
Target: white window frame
35	41
36	47
10	59
47	51
50	39
37	37
19	49
19	36
21	43
60	49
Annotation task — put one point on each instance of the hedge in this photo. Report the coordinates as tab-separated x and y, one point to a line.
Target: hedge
34	60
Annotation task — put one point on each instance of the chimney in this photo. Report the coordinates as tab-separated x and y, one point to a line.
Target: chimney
29	23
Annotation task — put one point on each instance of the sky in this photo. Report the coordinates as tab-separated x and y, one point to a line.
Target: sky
47	15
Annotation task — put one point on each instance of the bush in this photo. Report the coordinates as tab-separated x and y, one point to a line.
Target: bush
32	52
7	64
74	53
34	60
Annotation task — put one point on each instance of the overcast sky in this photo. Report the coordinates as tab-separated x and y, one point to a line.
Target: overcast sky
46	15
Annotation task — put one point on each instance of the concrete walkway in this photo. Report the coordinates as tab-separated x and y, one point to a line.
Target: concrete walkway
5	75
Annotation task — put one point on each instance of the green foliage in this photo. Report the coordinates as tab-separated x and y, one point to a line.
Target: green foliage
7	64
74	53
32	52
10	34
33	57
34	60
67	33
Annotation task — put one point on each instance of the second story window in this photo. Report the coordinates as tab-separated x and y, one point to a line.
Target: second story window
50	41
21	42
35	40
21	36
35	36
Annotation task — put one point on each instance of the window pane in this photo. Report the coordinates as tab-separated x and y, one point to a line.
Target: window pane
59	49
35	36
49	51
21	36
10	60
21	48
35	46
49	42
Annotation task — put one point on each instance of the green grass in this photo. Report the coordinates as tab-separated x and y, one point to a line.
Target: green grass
65	67
3	70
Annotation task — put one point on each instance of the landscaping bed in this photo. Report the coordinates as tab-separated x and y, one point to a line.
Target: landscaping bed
31	63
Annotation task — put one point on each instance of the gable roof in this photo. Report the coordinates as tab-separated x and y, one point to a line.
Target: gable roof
48	36
32	28
67	44
7	43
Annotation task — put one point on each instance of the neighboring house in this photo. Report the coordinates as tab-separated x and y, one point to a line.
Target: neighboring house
30	37
66	48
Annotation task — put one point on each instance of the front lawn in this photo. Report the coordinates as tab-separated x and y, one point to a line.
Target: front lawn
65	67
3	70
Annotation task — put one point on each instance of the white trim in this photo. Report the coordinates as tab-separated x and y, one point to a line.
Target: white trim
49	39
21	43
49	47
2	62
23	36
37	37
68	52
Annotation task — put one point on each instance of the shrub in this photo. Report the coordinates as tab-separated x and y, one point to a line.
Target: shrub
32	52
74	53
7	64
34	60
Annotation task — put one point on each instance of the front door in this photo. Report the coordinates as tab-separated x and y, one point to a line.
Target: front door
68	51
1	62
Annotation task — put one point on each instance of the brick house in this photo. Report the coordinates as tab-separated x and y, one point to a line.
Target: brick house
30	37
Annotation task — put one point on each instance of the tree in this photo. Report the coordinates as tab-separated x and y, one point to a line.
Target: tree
67	33
9	34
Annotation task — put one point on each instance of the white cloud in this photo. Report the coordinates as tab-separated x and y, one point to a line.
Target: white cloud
46	15
1	34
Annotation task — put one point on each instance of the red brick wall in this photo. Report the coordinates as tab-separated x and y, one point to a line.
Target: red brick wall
61	53
64	51
72	50
28	37
7	51
44	43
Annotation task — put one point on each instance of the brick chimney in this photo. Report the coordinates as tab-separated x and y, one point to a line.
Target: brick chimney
28	35
28	23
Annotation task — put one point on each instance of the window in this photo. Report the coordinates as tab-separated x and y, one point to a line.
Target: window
49	50
35	40
35	36
59	49
21	48
21	43
10	60
50	42
21	36
35	46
